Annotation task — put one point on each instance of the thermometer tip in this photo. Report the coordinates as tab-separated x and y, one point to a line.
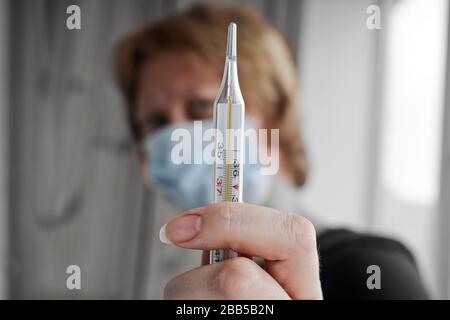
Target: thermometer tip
231	43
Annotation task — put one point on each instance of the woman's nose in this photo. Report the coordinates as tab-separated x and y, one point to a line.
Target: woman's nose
178	114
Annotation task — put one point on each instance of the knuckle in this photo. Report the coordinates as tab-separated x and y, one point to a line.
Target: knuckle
230	220
235	275
225	213
299	231
308	229
170	290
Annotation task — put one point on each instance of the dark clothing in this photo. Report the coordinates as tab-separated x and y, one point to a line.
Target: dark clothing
345	256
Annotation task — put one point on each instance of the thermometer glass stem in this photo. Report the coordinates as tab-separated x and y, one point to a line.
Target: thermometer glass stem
229	112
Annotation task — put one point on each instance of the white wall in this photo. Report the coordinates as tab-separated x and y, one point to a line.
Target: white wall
336	66
348	97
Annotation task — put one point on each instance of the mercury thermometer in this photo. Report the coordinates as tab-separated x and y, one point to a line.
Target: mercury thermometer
229	113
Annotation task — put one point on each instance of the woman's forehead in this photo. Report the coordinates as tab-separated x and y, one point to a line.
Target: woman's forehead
172	73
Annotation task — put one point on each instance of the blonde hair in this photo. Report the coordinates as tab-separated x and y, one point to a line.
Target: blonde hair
267	69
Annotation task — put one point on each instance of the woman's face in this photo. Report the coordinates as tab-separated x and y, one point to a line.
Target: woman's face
173	88
178	87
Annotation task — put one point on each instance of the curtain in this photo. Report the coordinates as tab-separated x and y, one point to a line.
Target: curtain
76	194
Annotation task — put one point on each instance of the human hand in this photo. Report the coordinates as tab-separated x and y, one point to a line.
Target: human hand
287	243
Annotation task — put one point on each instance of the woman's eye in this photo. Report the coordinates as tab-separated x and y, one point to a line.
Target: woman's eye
154	122
200	109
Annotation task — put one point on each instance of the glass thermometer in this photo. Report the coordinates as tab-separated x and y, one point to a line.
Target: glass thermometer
229	113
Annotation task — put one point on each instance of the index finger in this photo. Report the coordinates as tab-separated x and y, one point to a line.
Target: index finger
245	228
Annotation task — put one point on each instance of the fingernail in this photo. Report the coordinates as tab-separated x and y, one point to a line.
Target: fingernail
162	235
180	229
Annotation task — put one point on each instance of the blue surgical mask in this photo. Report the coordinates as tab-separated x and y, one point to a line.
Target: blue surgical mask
191	185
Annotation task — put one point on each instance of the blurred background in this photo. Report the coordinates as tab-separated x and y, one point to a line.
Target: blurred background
375	115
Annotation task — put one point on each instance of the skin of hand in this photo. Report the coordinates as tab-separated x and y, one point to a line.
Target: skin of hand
287	243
